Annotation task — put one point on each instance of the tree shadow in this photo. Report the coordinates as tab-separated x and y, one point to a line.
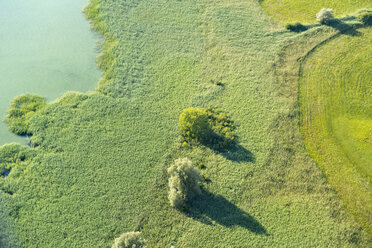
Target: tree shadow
343	27
230	150
209	208
238	153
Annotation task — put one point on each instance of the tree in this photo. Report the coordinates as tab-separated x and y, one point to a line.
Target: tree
183	182
324	16
129	240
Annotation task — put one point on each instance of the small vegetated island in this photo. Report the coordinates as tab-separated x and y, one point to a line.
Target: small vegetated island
191	138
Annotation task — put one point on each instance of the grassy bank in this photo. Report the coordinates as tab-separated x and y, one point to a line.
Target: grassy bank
336	107
305	11
100	165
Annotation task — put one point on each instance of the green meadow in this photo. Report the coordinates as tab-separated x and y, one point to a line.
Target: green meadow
97	163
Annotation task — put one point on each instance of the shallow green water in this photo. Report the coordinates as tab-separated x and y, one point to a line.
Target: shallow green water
46	48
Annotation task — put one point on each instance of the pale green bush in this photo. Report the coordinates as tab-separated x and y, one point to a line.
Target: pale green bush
183	182
129	240
324	16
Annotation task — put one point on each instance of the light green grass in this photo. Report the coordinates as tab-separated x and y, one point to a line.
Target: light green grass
100	165
336	108
305	11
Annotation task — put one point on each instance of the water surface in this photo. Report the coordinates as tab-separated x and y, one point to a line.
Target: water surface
46	48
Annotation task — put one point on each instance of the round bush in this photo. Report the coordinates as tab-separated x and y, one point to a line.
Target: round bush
194	125
207	126
324	16
20	111
183	182
129	240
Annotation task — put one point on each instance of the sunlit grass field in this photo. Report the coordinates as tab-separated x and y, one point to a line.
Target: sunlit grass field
100	161
305	10
336	117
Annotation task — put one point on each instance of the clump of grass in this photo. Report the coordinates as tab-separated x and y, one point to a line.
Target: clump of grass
296	27
183	182
324	16
20	111
130	240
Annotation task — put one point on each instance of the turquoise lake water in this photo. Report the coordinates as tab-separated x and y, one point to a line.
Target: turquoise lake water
46	48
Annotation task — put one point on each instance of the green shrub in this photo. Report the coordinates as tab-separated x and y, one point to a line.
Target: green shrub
20	111
183	182
366	18
129	240
222	135
194	125
324	16
296	27
207	126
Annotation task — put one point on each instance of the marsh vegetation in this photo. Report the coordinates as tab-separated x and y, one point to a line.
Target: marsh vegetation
215	82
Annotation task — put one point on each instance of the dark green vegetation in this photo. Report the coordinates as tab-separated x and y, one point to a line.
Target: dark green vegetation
296	27
365	17
101	158
22	108
208	127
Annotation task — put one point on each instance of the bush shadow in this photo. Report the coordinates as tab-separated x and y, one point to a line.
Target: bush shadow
209	208
232	151
238	153
343	27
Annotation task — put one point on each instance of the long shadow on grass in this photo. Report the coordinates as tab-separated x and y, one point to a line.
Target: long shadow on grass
344	28
209	208
233	152
238	153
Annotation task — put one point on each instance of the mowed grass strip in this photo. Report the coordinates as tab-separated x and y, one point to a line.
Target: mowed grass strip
305	11
336	118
